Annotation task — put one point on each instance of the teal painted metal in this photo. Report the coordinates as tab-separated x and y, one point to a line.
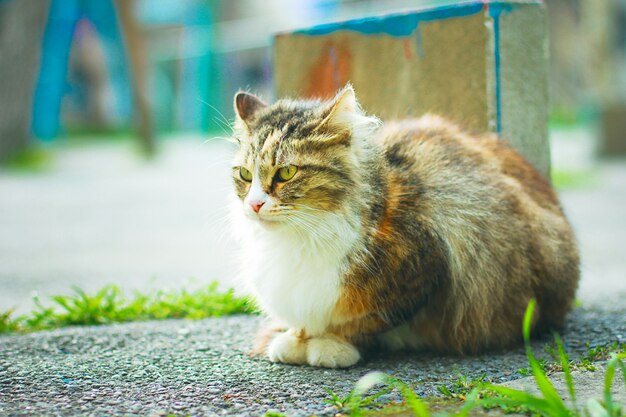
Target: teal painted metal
405	24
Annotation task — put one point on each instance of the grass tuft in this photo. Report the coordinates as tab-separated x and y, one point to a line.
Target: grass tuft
564	179
110	305
462	386
355	400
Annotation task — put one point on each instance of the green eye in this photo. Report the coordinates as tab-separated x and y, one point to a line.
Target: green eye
245	174
286	173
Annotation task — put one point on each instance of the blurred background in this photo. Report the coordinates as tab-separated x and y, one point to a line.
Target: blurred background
113	163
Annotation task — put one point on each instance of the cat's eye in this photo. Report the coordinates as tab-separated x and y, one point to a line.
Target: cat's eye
245	174
286	173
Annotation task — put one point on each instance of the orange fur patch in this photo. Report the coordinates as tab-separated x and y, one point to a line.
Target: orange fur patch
385	228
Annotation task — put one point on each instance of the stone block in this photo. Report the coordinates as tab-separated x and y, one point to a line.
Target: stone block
481	64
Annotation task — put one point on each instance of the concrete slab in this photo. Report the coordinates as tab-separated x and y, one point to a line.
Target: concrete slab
103	215
202	368
482	64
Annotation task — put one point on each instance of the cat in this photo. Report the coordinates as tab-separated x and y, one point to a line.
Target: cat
410	234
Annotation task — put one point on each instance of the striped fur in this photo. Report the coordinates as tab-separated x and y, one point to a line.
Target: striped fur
413	234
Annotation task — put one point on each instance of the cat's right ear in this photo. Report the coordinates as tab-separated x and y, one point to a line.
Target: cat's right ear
246	106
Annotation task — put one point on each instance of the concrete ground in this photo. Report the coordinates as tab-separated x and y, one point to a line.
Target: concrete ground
202	368
103	215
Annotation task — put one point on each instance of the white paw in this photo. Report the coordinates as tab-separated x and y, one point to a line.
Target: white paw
330	352
287	348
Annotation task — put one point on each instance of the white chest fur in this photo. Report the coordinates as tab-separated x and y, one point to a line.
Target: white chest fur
296	279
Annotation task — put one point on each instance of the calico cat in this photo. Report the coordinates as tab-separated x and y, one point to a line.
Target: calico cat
405	235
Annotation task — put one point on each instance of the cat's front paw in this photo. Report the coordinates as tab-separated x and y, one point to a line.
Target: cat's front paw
331	352
287	348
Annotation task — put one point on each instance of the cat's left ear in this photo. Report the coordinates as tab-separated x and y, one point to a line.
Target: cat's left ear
246	106
342	109
344	113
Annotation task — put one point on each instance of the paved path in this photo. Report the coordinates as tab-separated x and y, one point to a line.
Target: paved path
103	215
202	368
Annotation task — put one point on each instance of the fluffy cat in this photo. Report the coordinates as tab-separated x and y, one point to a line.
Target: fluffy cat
409	235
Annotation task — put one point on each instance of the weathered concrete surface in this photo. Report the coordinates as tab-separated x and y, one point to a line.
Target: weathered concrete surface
481	64
103	215
202	368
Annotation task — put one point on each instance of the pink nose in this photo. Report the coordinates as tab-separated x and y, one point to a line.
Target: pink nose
256	205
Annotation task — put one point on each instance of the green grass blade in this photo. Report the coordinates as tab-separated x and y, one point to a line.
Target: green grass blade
417	406
608	382
543	383
569	381
445	391
623	368
63	302
515	398
372	398
612	365
8	323
469	404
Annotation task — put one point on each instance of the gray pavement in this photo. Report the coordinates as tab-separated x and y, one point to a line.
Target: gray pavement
101	215
202	368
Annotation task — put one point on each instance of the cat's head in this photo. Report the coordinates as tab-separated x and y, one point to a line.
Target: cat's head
298	160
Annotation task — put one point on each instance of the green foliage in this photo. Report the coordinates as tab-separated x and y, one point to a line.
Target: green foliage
110	305
603	352
550	403
411	402
462	386
7	322
563	179
354	401
274	414
32	159
584	363
569	117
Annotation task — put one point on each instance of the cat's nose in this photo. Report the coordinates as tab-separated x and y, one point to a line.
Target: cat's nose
256	205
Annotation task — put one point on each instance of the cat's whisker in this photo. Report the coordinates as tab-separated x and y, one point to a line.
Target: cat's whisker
312	220
316	233
218	222
297	229
214	138
227	124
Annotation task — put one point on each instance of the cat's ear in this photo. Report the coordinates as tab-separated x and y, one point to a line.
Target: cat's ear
342	109
246	106
344	113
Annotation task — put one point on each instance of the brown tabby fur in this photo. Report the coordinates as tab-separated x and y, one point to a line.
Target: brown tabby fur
458	231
